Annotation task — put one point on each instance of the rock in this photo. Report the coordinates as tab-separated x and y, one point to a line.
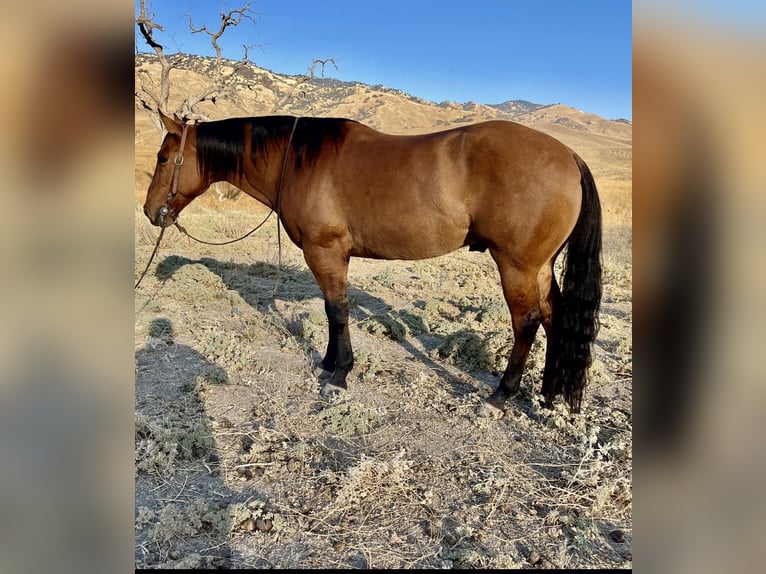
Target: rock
264	525
433	529
617	535
534	557
246	443
486	410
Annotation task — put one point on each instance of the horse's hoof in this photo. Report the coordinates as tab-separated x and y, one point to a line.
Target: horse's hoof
329	391
488	410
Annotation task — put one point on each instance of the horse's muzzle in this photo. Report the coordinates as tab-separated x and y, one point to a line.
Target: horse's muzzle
149	216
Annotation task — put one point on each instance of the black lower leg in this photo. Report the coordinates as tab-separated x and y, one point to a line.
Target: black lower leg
511	380
328	362
339	345
550	379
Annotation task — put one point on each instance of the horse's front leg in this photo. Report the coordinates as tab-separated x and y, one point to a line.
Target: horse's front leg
340	343
330	268
328	362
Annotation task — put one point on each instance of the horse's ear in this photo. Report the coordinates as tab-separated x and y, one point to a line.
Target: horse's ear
173	125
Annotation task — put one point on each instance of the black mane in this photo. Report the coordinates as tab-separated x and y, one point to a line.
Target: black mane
312	133
221	146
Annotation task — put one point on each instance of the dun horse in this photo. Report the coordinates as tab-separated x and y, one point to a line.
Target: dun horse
342	190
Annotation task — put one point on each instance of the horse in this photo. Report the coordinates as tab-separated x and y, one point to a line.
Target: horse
341	189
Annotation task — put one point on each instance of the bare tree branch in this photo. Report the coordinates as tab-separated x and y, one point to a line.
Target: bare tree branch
246	48
223	84
230	18
309	75
147	26
324	63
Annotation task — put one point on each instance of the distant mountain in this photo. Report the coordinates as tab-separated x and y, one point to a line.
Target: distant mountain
517	107
260	92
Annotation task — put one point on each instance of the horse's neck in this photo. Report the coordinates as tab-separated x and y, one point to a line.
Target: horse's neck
260	184
257	192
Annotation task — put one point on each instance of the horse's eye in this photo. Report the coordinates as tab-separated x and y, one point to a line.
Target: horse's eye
162	159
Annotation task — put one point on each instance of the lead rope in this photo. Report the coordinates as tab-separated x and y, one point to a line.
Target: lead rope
156	248
279	206
182	229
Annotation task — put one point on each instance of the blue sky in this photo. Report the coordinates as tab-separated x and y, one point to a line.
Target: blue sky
576	52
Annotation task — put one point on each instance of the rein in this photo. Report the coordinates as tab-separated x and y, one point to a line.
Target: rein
165	209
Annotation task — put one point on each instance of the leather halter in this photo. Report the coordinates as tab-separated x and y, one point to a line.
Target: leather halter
178	162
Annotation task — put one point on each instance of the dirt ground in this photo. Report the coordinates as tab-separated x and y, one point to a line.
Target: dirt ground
239	465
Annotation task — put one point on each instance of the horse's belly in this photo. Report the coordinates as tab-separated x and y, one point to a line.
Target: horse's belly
404	237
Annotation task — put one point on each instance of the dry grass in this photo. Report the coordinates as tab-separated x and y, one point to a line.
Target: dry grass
239	466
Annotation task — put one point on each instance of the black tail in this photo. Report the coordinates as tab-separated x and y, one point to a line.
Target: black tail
575	315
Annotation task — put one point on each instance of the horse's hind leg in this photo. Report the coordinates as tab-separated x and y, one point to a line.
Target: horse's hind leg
549	298
522	294
330	268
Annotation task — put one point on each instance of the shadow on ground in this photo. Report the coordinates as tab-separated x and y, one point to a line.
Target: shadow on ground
261	285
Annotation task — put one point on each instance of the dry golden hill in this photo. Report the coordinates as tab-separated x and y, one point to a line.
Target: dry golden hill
262	92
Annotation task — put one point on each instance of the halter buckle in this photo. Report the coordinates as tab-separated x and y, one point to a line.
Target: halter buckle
179	161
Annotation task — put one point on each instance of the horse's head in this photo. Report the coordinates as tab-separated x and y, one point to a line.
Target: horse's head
165	197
